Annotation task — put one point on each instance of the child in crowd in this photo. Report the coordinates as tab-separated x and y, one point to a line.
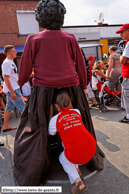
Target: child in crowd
79	144
98	75
87	70
106	67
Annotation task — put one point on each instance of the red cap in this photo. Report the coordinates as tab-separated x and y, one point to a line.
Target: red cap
91	57
125	26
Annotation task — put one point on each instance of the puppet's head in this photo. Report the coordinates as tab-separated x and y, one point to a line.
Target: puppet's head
50	14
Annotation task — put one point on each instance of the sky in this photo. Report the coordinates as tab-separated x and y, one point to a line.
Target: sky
85	12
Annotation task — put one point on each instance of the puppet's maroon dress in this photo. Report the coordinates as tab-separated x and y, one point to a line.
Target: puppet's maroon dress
58	65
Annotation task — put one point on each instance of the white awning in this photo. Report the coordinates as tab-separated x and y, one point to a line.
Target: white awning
89	45
27	23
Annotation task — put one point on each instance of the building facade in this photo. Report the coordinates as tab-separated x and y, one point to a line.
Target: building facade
10	21
95	39
17	21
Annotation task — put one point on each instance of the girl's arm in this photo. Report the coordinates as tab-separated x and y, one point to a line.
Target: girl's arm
100	73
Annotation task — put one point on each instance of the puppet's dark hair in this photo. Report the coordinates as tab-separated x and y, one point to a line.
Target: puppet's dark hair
50	14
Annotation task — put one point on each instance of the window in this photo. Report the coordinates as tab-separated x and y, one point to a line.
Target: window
27	23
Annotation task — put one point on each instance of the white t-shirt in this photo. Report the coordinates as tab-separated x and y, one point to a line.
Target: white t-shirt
106	72
26	90
9	68
126	50
95	80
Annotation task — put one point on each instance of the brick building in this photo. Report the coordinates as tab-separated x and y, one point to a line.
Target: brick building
9	24
17	21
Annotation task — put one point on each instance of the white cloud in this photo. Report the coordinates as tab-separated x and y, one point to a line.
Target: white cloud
85	12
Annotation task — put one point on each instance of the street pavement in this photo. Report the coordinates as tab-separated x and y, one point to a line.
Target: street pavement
113	139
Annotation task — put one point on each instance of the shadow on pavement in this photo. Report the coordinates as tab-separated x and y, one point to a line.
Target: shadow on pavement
108	181
103	138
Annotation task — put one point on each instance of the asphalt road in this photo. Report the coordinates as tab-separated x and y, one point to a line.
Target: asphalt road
113	139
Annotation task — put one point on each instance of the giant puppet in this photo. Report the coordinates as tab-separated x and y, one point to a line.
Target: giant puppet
58	65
